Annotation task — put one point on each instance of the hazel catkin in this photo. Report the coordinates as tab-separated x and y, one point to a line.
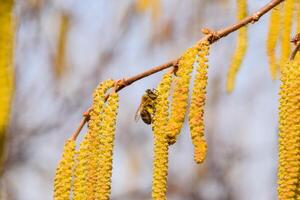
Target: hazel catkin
180	93
289	131
161	141
272	40
241	47
196	115
6	69
63	175
87	167
287	22
107	136
94	135
80	173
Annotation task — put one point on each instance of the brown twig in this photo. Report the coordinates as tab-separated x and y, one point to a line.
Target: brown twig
295	51
211	36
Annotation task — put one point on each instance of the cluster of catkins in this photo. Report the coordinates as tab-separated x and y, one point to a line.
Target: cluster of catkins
6	67
86	173
282	19
168	121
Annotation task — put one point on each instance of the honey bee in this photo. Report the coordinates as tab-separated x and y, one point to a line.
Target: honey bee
147	106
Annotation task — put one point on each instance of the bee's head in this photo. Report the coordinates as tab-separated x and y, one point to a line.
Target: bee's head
151	93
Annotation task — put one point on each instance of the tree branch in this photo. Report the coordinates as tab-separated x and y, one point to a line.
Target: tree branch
211	36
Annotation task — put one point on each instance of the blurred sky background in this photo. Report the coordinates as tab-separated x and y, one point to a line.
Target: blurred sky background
112	39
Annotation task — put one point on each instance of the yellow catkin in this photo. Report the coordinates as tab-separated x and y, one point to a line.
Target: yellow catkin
6	68
80	174
196	116
161	140
287	22
241	47
106	147
153	5
272	40
180	93
86	172
298	17
60	58
94	137
63	175
289	131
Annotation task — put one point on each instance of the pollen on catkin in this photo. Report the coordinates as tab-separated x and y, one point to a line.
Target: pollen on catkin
161	141
272	40
181	93
289	131
287	22
6	68
63	175
107	136
241	47
196	115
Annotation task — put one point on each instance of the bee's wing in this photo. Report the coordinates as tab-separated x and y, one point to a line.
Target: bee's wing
138	113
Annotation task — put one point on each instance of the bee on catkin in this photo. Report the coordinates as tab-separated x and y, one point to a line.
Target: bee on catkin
289	132
272	40
196	115
6	68
287	22
241	47
161	140
180	93
107	136
63	175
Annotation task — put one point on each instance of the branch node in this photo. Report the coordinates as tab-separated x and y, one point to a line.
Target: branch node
86	114
255	18
296	39
212	35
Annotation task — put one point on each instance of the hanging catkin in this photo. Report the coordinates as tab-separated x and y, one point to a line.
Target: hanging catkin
241	47
86	172
272	40
107	137
180	93
6	68
80	174
298	17
153	5
196	116
94	132
289	131
287	22
60	63
63	175
161	140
